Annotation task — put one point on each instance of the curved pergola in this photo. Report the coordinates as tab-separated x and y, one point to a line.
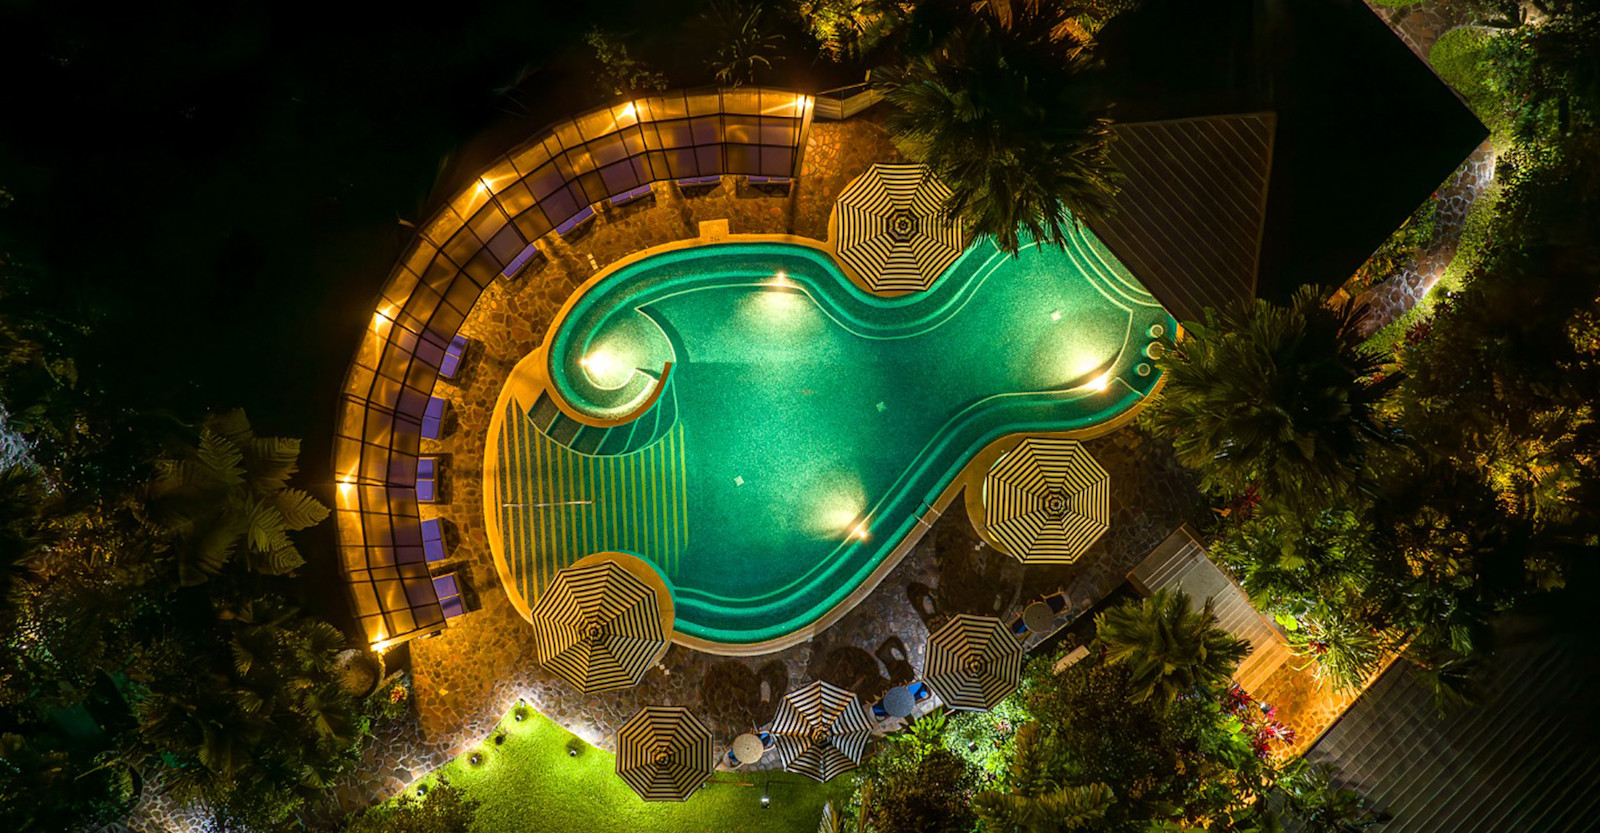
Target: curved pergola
491	229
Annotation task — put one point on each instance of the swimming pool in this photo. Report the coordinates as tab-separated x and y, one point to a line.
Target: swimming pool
765	433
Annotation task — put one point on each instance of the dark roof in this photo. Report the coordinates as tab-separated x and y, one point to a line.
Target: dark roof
1189	218
1364	132
1523	760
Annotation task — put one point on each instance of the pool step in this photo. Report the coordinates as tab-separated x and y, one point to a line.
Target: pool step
609	440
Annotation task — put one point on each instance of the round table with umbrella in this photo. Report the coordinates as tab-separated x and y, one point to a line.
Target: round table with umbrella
1047	501
664	753
820	730
973	662
603	622
890	228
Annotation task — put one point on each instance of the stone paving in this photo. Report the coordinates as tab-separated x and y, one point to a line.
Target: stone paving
1419	26
467	678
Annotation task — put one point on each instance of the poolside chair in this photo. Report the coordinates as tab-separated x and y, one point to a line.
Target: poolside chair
770	183
631	196
699	184
577	224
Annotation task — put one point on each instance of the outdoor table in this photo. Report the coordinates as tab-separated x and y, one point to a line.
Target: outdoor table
1038	617
899	702
747	748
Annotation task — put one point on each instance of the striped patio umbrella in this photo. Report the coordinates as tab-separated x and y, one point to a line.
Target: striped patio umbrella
664	753
1047	501
891	229
820	731
973	662
599	626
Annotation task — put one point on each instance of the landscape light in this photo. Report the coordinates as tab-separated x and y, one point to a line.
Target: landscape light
766	797
605	367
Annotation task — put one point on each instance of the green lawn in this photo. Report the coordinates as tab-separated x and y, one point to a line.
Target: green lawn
531	783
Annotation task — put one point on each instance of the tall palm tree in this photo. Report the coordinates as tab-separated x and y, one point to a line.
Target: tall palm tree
1170	649
1280	400
991	98
1036	803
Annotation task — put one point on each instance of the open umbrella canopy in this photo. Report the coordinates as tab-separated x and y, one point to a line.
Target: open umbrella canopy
891	228
820	731
1047	501
973	662
600	624
664	753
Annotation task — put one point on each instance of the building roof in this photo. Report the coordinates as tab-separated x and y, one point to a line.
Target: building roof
1180	563
1522	760
1193	204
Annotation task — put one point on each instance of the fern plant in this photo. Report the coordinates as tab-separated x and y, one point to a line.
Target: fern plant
227	500
1036	802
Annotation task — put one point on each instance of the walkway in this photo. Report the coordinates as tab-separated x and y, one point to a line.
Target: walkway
1419	26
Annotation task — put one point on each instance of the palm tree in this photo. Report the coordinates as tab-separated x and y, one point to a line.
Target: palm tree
229	495
745	40
1170	649
994	103
1279	400
1036	803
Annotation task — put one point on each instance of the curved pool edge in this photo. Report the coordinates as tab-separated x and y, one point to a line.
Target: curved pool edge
533	374
971	475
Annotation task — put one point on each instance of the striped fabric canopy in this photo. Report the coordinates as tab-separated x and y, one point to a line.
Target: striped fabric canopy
599	626
820	731
891	229
973	662
664	753
1047	501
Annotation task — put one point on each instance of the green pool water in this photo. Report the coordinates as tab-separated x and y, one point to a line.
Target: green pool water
805	425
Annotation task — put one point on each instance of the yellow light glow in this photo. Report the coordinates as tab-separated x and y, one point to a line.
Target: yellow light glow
860	531
383	317
483	188
1100	383
629	111
381	645
779	280
606	368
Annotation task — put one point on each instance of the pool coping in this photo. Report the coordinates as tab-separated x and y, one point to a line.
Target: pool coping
531	375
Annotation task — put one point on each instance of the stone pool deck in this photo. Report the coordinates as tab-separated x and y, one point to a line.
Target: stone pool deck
468	677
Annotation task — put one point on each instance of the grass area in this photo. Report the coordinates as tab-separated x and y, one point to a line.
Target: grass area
1459	56
531	783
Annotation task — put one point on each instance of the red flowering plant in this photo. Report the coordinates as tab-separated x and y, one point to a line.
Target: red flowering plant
392	700
1258	720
